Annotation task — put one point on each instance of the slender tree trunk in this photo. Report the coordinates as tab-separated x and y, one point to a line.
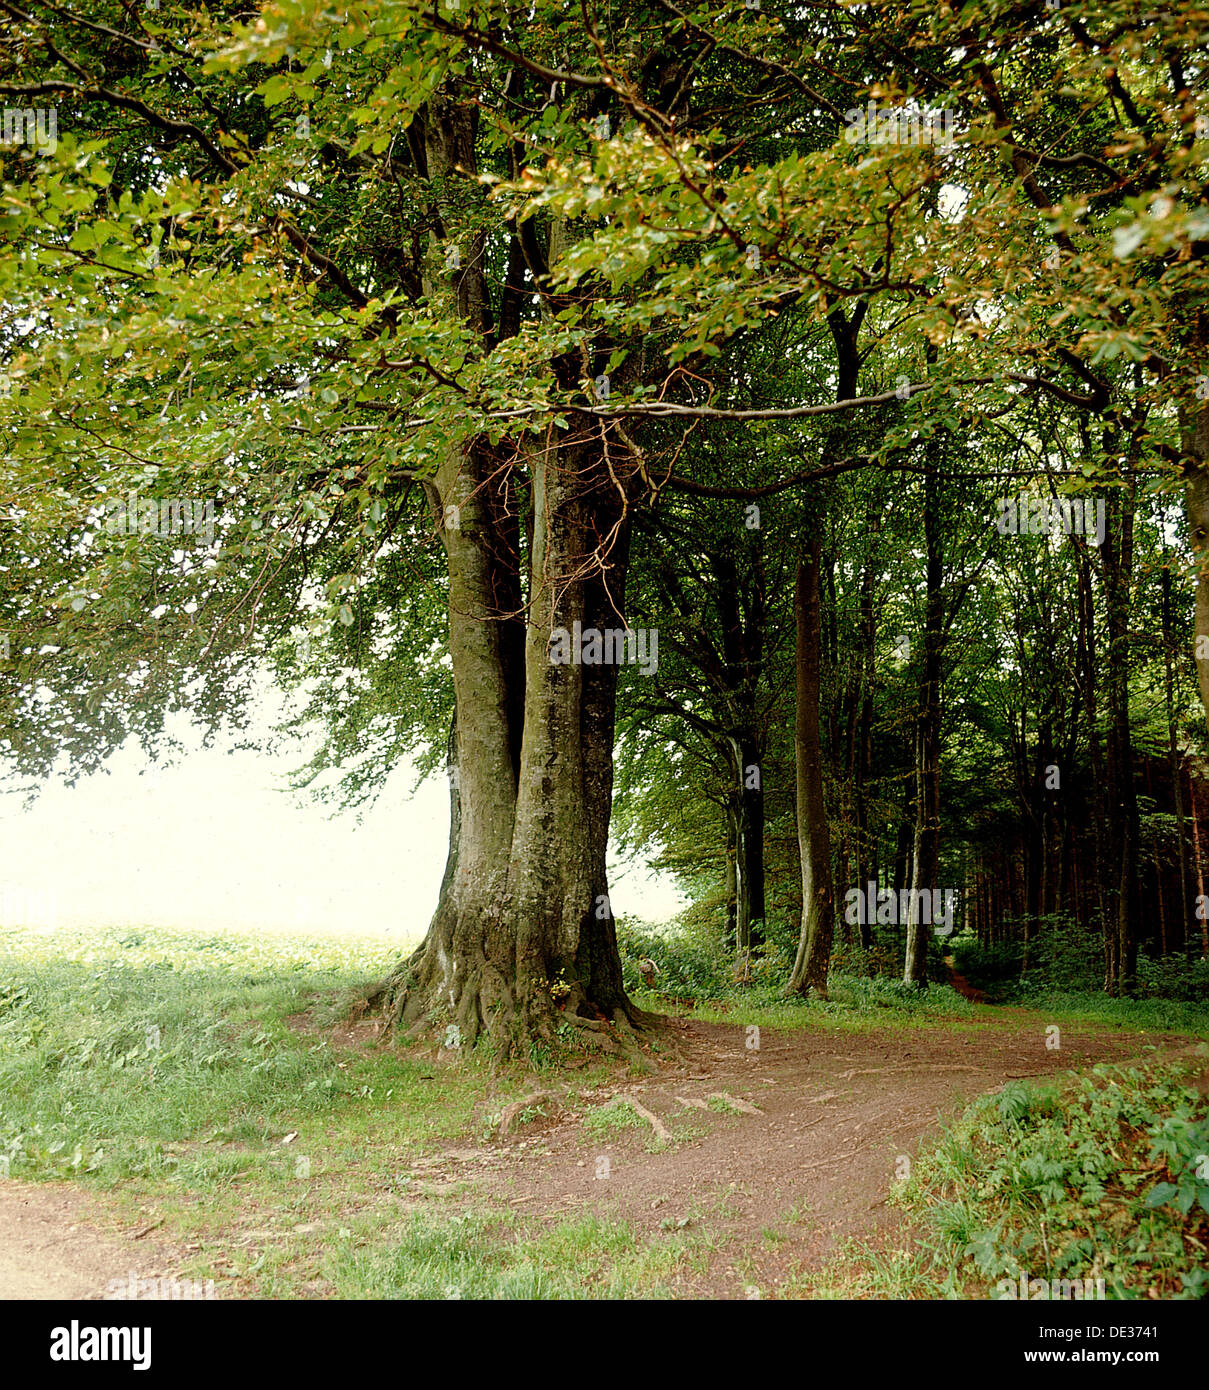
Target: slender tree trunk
732	875
927	744
1195	440
751	845
814	840
1117	560
1194	431
1100	820
743	638
1196	859
1180	917
904	833
864	756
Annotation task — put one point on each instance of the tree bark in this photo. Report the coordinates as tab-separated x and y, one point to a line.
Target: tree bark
751	846
809	973
523	939
732	874
525	933
1116	555
1184	896
927	743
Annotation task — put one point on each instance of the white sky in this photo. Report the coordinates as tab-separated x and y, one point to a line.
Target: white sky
219	839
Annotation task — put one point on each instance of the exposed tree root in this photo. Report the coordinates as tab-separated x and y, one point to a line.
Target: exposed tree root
510	1113
661	1130
366	1000
484	1009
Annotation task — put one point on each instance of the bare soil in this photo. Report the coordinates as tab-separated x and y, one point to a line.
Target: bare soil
49	1248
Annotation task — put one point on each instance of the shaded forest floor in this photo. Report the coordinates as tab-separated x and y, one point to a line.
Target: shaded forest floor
735	1171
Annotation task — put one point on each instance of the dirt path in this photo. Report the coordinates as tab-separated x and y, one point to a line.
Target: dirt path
826	1120
780	1152
49	1248
962	985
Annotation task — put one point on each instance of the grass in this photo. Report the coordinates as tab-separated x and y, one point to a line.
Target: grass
155	1054
483	1255
1140	1015
180	1077
161	1068
854	1006
612	1118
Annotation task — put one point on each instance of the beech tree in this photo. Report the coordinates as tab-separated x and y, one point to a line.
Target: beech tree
315	264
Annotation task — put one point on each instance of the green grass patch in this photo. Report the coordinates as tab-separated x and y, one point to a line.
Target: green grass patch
854	1005
164	1061
484	1255
613	1117
166	1069
119	1047
1140	1015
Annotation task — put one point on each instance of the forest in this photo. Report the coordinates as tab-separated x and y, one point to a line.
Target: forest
765	442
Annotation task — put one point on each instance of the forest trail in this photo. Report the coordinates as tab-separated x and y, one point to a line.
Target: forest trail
824	1120
962	985
779	1152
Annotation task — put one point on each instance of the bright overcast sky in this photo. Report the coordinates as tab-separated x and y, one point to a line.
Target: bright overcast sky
218	839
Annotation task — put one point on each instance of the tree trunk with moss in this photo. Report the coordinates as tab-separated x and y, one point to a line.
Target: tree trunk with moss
523	940
524	936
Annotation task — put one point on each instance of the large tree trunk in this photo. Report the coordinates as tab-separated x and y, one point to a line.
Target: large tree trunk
523	937
814	838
